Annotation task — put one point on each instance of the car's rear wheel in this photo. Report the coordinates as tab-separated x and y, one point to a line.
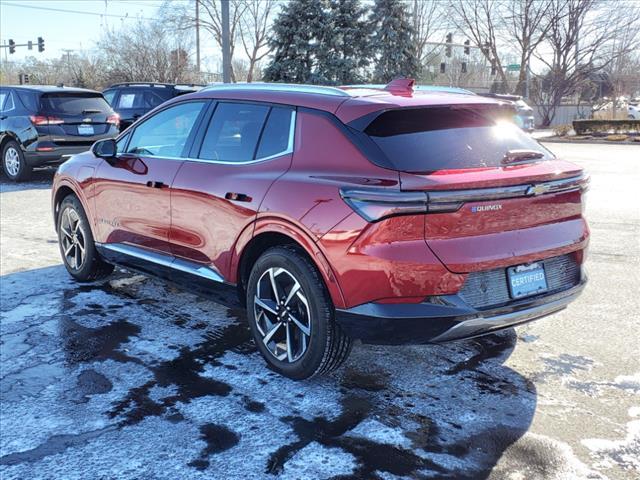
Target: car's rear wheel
13	163
292	317
77	247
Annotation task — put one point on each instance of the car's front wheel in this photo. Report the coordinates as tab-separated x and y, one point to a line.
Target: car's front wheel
77	247
13	163
291	316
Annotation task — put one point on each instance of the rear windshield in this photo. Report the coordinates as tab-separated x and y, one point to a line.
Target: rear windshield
74	103
423	140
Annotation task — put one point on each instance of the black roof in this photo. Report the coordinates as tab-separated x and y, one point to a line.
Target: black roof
52	88
154	84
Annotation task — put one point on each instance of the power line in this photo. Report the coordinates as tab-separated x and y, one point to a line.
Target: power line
80	12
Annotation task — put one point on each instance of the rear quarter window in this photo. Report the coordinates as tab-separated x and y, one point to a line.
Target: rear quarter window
423	140
28	99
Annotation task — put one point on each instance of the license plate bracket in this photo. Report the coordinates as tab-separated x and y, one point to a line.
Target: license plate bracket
85	129
527	280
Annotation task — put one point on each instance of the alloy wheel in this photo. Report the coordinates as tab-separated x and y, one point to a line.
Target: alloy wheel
282	314
12	161
72	238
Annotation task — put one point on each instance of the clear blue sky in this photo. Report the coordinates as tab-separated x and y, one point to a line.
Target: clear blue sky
23	20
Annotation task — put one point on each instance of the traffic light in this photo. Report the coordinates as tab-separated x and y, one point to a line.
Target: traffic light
449	41
12	46
443	67
40	44
467	50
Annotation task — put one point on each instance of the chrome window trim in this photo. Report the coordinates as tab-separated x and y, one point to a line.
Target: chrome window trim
287	151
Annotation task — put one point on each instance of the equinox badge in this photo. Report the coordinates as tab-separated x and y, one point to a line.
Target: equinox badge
486	208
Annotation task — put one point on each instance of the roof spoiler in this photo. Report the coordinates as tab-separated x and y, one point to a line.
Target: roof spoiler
401	85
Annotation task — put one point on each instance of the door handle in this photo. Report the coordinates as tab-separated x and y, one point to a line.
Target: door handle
238	197
155	184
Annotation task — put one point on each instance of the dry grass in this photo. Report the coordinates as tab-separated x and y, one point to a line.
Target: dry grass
616	138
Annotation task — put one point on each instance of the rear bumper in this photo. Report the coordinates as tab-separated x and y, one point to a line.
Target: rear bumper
445	318
53	157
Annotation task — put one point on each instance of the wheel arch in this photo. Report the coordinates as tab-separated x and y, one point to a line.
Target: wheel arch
62	190
6	137
277	232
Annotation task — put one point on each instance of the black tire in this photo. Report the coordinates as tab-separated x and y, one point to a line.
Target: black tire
74	231
13	163
327	346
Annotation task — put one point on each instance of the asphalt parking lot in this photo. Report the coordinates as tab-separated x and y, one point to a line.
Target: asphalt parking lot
131	378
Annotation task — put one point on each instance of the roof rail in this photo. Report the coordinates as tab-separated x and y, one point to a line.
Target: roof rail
141	84
280	87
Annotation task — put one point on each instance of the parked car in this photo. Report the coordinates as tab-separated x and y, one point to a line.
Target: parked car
132	100
44	125
384	215
524	116
633	110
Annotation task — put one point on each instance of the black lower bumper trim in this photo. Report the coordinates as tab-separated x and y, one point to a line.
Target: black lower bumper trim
444	318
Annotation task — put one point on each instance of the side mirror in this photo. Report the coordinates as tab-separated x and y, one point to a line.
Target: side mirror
105	148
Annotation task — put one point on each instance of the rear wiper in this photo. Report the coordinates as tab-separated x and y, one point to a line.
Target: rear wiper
515	156
91	110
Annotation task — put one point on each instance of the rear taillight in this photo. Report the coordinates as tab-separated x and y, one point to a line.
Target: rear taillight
45	120
376	204
114	119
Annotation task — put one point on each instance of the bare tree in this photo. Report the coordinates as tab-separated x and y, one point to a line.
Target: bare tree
624	70
430	22
482	21
255	25
130	55
526	22
582	39
181	16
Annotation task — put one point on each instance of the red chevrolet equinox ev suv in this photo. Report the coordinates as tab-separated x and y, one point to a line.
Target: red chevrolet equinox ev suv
386	215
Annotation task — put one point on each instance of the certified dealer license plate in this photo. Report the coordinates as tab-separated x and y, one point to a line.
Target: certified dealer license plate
526	280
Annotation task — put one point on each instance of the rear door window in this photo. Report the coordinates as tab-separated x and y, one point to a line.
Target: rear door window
166	133
422	140
131	99
74	103
234	132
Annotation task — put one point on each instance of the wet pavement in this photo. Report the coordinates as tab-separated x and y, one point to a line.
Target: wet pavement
134	378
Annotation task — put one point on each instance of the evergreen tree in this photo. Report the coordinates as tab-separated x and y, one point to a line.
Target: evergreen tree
393	42
297	36
346	49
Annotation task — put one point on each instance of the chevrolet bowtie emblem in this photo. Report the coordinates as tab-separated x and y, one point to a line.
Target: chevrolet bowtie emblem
538	189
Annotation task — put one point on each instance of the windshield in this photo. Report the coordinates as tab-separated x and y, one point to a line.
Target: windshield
423	140
74	103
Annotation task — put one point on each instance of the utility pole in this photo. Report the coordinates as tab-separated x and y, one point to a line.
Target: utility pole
198	35
226	44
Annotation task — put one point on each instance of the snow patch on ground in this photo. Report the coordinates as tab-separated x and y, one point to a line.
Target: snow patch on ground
625	452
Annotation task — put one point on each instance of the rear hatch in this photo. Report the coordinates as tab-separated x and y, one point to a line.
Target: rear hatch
496	197
77	118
